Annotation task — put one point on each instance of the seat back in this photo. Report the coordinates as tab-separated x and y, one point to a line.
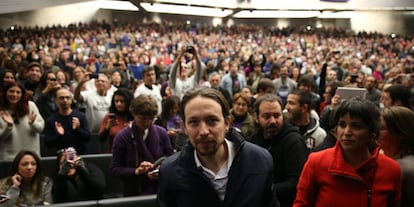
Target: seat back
134	201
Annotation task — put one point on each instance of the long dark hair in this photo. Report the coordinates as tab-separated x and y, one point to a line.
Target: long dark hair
36	182
167	105
128	96
22	105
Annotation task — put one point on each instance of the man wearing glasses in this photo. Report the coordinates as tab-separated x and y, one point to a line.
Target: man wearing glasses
284	143
136	149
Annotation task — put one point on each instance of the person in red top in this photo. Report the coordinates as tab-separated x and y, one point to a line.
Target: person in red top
353	172
118	117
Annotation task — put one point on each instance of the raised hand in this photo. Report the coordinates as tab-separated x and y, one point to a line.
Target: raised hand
6	117
59	129
75	122
32	117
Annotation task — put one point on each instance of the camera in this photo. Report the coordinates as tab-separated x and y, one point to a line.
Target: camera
111	116
70	154
189	49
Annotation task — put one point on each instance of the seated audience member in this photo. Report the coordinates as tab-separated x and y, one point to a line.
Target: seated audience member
118	117
26	185
75	179
68	127
396	140
20	122
240	115
170	119
353	172
136	148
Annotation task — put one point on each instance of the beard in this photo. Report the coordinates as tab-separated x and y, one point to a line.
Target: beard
206	148
270	131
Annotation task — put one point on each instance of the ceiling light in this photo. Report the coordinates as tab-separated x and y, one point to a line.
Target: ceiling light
275	14
186	10
118	5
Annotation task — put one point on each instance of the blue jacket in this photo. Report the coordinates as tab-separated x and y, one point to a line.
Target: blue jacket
250	179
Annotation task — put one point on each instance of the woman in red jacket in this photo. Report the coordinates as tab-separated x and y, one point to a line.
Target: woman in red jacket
353	172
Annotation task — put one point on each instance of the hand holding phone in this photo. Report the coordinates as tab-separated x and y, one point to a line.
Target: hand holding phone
4	198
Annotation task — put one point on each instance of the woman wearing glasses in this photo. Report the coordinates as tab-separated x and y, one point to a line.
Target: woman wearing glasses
136	148
20	122
240	115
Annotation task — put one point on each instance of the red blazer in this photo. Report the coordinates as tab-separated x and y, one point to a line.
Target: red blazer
327	180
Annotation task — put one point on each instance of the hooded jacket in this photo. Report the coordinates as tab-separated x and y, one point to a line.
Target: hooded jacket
289	153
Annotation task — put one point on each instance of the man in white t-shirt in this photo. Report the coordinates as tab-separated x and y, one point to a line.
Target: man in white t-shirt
182	82
149	87
97	102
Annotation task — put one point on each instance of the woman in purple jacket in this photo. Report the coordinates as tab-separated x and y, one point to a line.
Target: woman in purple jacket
137	147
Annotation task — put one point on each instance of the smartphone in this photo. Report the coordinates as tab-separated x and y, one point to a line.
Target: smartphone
111	116
70	154
154	171
4	198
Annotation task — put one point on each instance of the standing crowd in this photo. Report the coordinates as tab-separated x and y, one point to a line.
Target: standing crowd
209	116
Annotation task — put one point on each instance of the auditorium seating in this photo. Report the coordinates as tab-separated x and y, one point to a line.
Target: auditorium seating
134	201
114	186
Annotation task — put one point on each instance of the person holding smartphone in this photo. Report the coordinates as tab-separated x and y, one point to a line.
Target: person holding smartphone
117	118
76	180
26	185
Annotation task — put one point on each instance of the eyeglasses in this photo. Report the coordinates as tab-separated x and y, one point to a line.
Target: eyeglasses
52	79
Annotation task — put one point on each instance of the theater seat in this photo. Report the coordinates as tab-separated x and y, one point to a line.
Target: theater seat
114	185
135	201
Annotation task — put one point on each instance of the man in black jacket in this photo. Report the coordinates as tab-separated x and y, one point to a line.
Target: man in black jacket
284	143
217	167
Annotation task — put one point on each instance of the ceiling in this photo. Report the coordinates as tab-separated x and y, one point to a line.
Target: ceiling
13	6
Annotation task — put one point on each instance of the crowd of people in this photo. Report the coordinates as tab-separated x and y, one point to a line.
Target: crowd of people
222	100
